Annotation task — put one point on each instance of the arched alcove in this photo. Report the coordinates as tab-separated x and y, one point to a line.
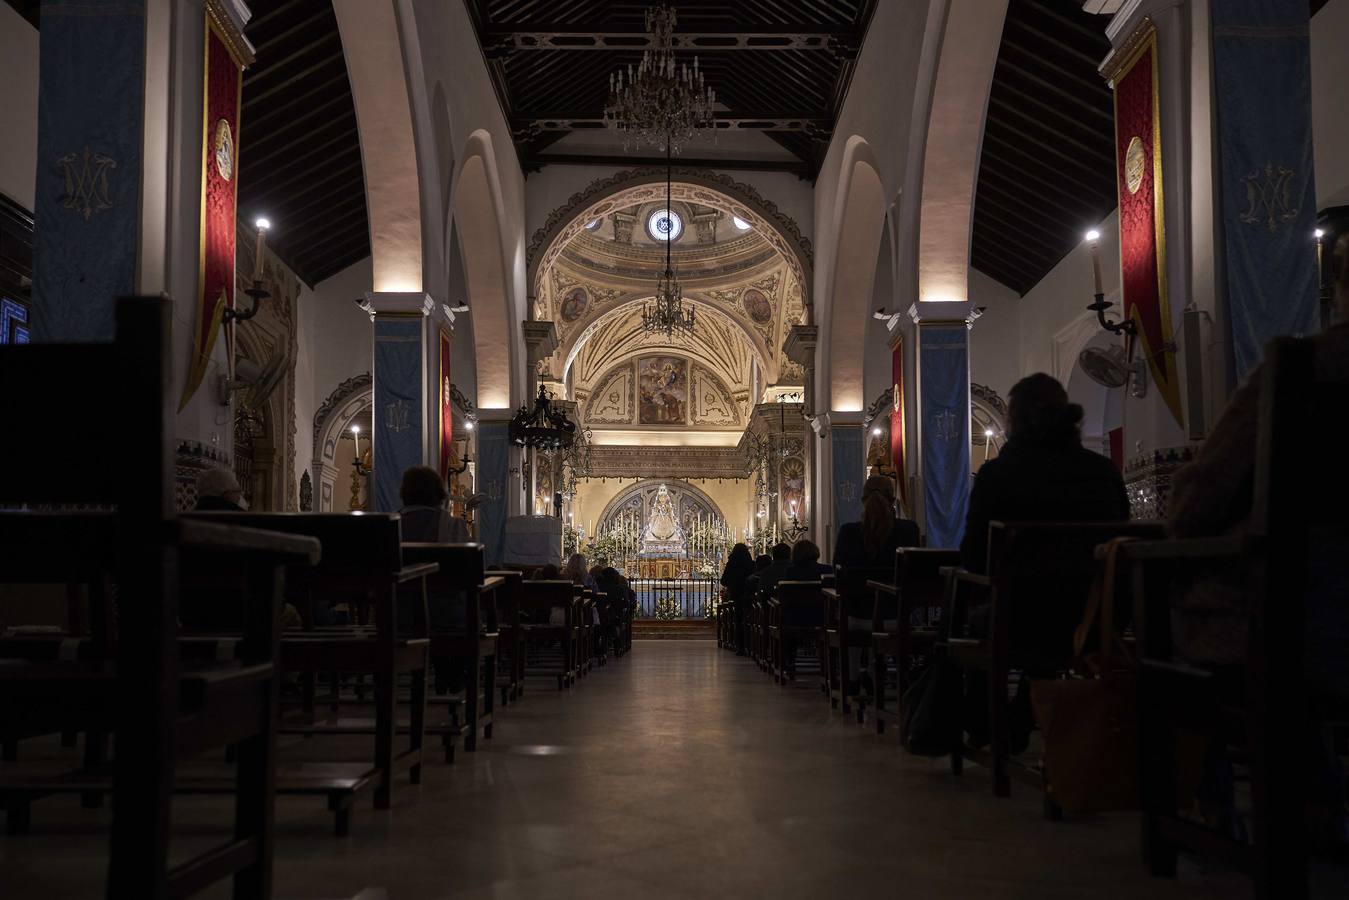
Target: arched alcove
859	222
688	501
348	401
476	206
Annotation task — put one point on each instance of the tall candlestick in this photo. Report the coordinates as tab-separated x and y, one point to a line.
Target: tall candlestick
1094	239
263	225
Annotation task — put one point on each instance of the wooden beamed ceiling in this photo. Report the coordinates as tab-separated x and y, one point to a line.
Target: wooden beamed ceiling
300	152
779	67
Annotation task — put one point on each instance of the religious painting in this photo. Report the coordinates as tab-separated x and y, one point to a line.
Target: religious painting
663	390
757	305
574	304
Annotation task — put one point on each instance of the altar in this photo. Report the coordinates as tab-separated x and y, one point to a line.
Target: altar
663	567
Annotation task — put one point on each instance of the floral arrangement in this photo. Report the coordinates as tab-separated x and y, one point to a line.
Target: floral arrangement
667	608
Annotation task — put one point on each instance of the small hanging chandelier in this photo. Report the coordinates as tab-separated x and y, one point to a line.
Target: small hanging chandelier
668	315
541	428
660	103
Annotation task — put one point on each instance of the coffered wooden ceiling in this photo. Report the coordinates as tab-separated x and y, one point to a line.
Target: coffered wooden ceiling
779	67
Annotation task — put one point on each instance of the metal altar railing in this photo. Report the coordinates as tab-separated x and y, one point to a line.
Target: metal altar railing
687	598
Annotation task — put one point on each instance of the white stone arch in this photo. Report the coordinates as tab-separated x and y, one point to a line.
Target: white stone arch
348	400
373	45
477	209
688	185
858	226
579	337
971	32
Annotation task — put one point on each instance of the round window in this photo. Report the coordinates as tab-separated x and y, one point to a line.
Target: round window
664	225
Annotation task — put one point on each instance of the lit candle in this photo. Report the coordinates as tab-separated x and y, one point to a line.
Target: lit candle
263	225
356	436
1094	241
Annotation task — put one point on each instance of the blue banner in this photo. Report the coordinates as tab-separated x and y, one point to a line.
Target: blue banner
849	473
87	216
1262	74
944	401
493	479
398	412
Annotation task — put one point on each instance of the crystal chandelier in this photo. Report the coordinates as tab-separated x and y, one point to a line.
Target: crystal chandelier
659	104
668	315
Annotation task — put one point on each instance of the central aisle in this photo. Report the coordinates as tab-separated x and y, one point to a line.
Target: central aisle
681	770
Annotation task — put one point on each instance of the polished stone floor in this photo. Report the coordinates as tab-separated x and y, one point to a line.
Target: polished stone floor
679	771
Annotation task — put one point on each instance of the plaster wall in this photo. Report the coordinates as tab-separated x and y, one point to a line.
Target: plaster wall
18	114
342	342
995	339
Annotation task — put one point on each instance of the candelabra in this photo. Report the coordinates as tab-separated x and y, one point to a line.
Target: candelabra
1126	326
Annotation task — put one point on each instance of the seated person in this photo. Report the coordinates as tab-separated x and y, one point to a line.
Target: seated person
804	566
871	543
425	520
1043	473
760	585
805	562
218	491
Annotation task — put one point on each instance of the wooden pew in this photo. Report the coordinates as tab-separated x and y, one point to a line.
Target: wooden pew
363	566
847	598
1271	706
918	588
538	598
796	615
461	569
510	643
159	707
1034	595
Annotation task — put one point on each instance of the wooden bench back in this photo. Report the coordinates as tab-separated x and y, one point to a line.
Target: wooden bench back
853	594
538	596
1042	573
801	603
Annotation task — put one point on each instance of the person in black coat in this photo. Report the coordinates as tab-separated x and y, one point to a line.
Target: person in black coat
739	566
1043	473
872	542
218	491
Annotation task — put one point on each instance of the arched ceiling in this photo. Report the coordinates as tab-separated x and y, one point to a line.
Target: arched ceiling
602	268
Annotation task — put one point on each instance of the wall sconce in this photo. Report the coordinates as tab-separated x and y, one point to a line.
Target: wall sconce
256	292
1100	304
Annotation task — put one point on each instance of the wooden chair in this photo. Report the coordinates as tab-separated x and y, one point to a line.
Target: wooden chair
157	706
460	568
918	588
537	601
363	567
1271	706
1035	592
796	618
510	641
847	599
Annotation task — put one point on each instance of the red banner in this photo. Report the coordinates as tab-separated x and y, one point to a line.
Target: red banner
897	425
219	191
1142	225
446	409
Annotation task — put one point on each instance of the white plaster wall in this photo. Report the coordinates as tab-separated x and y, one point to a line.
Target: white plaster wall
18	114
1330	102
342	339
995	340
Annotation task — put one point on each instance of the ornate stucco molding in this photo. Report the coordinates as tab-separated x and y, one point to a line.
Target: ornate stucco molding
602	196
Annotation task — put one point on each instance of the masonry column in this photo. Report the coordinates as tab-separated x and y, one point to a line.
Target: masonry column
401	411
800	347
942	338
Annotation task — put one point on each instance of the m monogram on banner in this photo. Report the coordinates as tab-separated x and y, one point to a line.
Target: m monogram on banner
87	188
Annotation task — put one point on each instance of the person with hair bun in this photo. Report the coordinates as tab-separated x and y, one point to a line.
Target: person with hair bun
1043	472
